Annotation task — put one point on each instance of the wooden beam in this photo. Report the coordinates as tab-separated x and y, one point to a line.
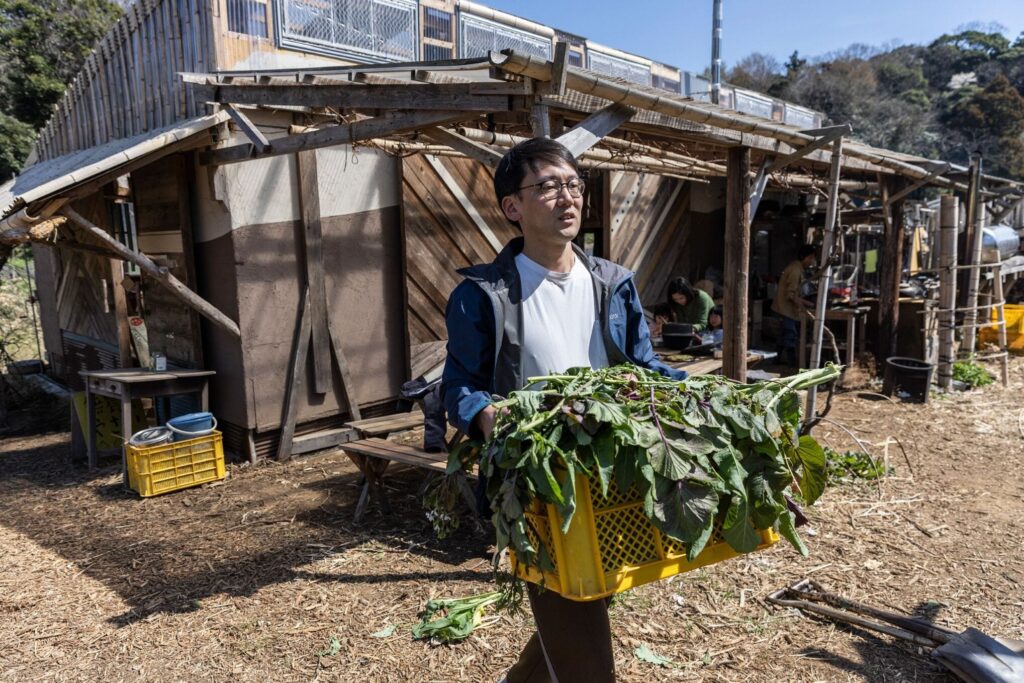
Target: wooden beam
341	134
453	186
159	273
472	149
346	377
313	257
560	68
891	273
480	97
296	373
590	130
255	135
918	184
737	264
540	119
124	335
827	136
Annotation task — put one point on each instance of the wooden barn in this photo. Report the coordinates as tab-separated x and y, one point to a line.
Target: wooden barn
281	192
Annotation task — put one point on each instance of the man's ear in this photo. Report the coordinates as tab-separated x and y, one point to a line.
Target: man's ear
509	208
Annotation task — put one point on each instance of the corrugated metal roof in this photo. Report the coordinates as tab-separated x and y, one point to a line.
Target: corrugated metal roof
54	177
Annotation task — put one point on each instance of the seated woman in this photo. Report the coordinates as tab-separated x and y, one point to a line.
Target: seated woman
689	305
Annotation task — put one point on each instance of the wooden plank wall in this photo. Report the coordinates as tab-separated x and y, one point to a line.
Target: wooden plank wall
650	216
129	84
442	235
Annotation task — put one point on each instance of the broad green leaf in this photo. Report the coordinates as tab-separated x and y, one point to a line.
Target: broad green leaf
385	632
685	510
787	529
603	448
528	403
737	529
814	473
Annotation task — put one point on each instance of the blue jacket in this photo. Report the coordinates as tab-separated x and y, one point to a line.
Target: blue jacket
485	308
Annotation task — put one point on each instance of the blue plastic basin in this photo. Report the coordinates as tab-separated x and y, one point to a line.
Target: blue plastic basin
192	425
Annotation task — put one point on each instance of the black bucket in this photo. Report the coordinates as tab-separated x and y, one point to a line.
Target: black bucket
909	375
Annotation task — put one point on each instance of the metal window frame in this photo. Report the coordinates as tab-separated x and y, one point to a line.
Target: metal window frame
484	23
321	47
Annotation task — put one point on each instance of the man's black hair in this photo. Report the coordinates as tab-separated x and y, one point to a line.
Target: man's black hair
527	156
804	251
681	285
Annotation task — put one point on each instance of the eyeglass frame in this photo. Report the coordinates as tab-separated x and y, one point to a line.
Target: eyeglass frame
558	190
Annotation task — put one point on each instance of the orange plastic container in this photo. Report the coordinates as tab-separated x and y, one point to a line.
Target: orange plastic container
611	545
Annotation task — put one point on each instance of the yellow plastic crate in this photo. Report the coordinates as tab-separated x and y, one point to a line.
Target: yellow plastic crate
1014	329
153	470
611	545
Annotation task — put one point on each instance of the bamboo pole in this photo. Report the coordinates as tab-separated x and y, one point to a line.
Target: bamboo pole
974	249
949	209
159	273
825	272
1000	304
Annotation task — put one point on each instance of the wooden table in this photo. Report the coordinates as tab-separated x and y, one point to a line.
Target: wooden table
699	365
854	319
127	384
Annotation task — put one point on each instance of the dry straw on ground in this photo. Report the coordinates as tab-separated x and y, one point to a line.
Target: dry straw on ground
265	578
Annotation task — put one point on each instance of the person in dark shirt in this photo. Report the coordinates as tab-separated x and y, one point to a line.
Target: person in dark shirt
689	305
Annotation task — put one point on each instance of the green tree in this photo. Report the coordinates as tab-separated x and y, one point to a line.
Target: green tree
989	120
43	44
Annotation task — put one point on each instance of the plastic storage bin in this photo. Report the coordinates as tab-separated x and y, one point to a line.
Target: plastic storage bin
153	470
1014	314
611	546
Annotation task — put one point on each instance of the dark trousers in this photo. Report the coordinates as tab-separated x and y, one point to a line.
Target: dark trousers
573	642
789	338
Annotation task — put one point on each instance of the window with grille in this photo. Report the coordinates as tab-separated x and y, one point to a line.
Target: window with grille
433	53
664	83
361	30
248	16
611	65
478	36
575	58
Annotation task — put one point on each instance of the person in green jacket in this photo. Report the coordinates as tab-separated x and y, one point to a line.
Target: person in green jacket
689	305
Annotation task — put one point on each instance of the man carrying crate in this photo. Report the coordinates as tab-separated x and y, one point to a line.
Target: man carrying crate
541	307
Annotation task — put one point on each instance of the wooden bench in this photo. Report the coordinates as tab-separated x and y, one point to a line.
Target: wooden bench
387	424
373	455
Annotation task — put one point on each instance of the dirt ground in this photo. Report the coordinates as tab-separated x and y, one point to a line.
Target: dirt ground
264	577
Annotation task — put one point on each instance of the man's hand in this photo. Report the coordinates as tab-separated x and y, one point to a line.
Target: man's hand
485	421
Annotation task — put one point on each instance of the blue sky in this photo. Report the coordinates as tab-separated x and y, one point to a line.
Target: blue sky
678	32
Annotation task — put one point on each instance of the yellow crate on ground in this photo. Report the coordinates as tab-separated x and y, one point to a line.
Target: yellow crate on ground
611	545
1014	314
153	470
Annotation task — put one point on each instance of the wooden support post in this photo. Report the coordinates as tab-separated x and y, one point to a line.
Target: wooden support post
970	330
540	119
949	222
825	273
296	373
159	273
312	251
737	264
890	275
124	335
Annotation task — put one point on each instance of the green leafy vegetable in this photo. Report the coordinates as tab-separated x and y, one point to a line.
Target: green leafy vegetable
707	455
448	621
971	374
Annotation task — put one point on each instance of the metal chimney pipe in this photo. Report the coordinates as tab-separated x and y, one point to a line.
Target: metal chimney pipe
716	52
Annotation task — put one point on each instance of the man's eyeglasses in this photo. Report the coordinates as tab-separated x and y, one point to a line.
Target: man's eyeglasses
549	189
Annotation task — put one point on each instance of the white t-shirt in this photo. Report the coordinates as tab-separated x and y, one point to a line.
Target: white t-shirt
561	329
